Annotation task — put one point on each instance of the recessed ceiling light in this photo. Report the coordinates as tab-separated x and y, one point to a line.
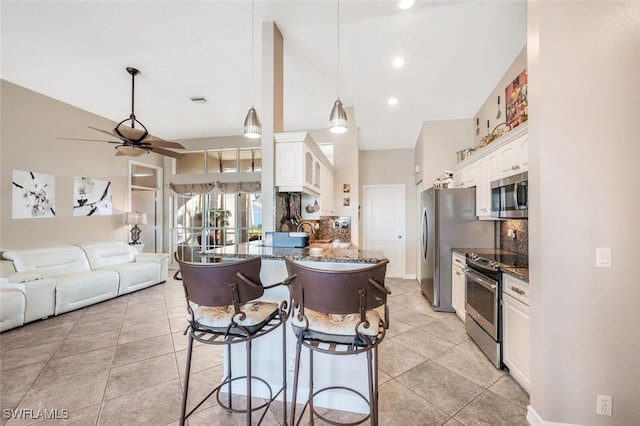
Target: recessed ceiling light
406	4
398	62
199	99
392	101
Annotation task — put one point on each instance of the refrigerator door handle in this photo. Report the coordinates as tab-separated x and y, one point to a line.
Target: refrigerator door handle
424	234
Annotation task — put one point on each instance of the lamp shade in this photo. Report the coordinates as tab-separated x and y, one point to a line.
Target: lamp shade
252	124
130	151
338	119
136	218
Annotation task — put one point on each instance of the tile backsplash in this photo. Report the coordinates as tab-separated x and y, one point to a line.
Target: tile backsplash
518	228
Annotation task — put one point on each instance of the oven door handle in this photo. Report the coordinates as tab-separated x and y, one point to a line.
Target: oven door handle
480	279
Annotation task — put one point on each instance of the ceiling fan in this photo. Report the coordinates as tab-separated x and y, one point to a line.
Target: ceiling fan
133	141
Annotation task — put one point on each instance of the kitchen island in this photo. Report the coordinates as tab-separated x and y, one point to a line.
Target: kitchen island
329	370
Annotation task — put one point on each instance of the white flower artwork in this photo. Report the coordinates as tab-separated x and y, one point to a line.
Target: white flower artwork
91	197
34	195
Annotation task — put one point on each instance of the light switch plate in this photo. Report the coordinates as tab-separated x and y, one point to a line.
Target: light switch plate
603	257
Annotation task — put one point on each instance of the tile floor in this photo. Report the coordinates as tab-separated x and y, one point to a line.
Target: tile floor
120	362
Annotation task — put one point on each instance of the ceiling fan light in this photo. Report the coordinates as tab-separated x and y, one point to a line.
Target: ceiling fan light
130	151
338	122
252	124
132	134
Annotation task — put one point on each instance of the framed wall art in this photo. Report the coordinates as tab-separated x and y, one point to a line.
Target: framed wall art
516	100
34	195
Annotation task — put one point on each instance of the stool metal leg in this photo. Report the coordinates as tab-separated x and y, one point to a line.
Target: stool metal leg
310	386
229	398
249	394
183	410
296	373
284	374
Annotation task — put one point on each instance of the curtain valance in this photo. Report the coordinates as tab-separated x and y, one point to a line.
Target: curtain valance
223	187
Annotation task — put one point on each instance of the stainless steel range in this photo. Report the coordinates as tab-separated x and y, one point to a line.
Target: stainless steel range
483	320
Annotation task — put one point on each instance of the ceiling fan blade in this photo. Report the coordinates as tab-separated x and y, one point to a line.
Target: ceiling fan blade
153	141
168	153
89	140
111	133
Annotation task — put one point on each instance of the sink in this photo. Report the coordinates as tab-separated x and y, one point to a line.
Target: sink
290	239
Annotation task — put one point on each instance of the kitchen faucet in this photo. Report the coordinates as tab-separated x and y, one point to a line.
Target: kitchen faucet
313	227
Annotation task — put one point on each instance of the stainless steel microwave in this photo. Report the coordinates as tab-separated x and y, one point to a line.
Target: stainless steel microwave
510	196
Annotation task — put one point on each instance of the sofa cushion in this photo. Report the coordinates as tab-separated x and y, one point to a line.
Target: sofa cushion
12	304
74	291
107	254
50	261
137	275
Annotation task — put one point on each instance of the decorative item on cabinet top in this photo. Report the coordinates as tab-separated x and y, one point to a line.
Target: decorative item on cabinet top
498	131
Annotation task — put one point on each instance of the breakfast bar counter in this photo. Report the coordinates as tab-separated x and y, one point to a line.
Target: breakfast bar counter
315	252
267	363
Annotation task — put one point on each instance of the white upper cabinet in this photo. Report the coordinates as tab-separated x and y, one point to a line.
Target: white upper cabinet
506	156
299	164
514	157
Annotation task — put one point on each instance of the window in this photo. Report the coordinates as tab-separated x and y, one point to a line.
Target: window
232	160
202	222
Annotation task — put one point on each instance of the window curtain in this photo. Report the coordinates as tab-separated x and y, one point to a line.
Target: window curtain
233	187
223	187
192	188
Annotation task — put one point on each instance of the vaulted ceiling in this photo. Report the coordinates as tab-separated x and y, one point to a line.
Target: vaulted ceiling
455	53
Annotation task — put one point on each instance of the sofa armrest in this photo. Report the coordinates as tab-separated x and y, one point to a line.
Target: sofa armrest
23	277
10	285
152	257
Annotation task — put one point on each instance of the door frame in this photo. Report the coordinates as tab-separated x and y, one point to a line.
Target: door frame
158	214
403	221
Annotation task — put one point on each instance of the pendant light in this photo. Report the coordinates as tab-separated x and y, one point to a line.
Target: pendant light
338	122
252	123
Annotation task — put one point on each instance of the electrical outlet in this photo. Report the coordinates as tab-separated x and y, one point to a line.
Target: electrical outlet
292	365
604	406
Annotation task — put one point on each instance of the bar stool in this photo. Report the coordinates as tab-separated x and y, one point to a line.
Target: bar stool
223	310
338	313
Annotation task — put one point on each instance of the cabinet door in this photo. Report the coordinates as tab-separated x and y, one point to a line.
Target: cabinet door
308	168
482	189
458	291
327	204
515	339
514	157
470	175
289	168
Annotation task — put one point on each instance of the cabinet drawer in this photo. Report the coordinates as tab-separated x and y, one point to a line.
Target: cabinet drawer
516	288
459	259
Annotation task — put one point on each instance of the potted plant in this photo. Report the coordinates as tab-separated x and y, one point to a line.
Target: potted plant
220	219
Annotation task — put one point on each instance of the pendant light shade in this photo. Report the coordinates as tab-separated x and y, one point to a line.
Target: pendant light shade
252	124
338	119
338	122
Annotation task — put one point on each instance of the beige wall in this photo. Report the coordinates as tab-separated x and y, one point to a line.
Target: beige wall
437	145
346	163
583	62
489	109
387	167
30	125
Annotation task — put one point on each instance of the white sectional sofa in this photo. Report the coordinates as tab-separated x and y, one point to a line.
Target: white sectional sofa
55	280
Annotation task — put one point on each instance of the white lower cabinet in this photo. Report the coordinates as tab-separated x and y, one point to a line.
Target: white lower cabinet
515	333
458	290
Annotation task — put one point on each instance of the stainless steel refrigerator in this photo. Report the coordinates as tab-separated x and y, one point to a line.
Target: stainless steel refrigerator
448	220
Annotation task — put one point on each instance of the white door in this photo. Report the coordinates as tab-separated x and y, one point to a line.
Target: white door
384	224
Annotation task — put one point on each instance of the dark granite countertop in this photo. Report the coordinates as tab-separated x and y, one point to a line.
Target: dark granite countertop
321	253
519	273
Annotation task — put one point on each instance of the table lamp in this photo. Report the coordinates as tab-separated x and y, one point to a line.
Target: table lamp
135	219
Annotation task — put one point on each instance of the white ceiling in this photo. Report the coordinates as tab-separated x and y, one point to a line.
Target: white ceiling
77	51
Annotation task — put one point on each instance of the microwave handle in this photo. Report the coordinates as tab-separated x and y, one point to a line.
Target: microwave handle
516	202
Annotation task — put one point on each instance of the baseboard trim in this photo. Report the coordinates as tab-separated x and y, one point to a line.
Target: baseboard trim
410	276
535	420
